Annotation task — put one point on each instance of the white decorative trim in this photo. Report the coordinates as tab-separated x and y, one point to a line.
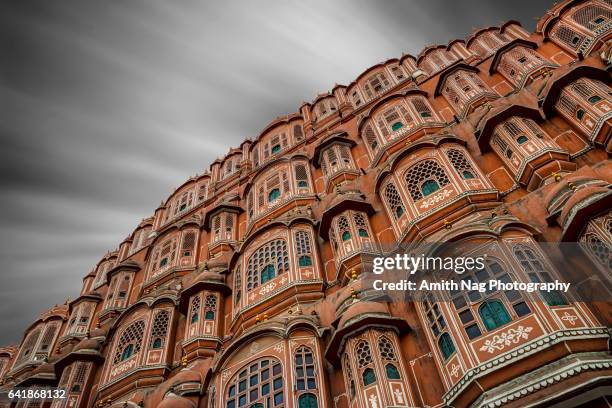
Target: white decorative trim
507	338
520	353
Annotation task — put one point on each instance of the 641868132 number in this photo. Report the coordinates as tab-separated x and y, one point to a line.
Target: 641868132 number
36	393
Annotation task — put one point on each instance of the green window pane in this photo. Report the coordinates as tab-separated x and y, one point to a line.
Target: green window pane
307	401
305	260
392	372
267	273
594	99
273	195
368	376
446	345
493	314
397	126
429	187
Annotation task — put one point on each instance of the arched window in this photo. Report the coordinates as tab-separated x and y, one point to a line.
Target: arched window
361	224
301	176
303	248
164	256
28	345
237	286
365	363
210	306
304	369
307	401
159	329
493	314
258	383
460	163
421	105
388	356
521	139
348	375
370	138
596	239
425	178
592	16
394	201
127	352
447	347
130	342
537	272
298	134
344	228
270	260
195	309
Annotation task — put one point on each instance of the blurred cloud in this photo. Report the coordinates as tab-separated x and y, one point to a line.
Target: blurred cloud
105	107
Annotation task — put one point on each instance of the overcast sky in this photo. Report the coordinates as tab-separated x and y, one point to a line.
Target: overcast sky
106	106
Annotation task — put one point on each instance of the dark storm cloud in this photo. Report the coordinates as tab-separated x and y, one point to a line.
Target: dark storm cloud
105	107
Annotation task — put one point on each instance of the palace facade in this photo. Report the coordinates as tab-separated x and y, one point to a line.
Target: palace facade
242	288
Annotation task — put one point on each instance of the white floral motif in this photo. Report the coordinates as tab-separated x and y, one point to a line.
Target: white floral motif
268	288
455	370
435	199
571	319
279	347
500	341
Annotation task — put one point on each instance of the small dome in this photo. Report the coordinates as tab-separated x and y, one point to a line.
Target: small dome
362	308
88	344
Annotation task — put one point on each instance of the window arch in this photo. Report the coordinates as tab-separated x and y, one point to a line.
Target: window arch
371	139
534	267
493	314
446	345
305	372
130	342
348	376
424	178
164	256
194	310
237	286
597	240
365	363
394	201
389	358
28	345
463	89
592	16
301	176
159	330
210	307
259	382
335	159
303	248
267	262
461	164
519	63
